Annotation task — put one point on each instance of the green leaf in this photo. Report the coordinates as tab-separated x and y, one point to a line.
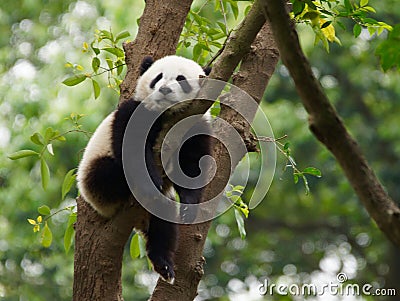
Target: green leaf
242	207
37	139
142	246
286	146
45	172
109	63
298	7
313	171
134	249
44	210
238	188
357	30
197	50
95	64
95	49
240	223
96	89
222	26
105	34
371	30
388	50
235	9
69	180
369	9
115	50
48	134
370	21
47	236
120	67
247	9
348	5
69	232
74	80
234	198
122	35
326	24
363	2
22	154
296	178
311	4
215	109
311	15
61	138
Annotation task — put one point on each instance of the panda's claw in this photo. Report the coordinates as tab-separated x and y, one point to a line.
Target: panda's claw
166	272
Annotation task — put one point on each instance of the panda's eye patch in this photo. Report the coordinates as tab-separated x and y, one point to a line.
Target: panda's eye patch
184	83
155	80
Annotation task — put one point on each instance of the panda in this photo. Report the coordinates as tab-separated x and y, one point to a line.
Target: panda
100	176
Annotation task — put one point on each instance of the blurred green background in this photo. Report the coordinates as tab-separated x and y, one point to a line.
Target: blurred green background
292	237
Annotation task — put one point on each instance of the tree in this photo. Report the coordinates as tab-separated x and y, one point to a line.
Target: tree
108	238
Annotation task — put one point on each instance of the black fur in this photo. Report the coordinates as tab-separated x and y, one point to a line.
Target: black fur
146	63
162	238
207	70
107	178
155	80
186	87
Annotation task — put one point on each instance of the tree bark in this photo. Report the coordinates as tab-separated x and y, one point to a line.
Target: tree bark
159	30
327	126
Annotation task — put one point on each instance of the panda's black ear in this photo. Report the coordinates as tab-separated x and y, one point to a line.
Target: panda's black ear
146	63
207	70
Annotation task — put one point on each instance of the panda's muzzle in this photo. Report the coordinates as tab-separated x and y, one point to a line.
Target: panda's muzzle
164	90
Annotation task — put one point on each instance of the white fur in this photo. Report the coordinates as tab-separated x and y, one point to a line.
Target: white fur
170	66
98	146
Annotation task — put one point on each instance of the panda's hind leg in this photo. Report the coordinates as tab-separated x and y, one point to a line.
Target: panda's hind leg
104	186
162	237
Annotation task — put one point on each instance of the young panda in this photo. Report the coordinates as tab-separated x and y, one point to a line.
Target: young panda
101	178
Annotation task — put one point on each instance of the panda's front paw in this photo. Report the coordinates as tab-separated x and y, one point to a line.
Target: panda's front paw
165	269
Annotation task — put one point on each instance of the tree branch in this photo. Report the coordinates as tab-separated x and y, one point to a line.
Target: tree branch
327	126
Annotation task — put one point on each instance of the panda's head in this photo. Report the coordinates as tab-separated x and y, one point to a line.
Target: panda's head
167	81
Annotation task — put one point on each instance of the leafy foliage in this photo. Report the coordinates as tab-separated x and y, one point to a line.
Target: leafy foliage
137	246
324	15
389	50
104	44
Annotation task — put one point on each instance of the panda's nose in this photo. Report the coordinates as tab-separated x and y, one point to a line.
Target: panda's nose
165	90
